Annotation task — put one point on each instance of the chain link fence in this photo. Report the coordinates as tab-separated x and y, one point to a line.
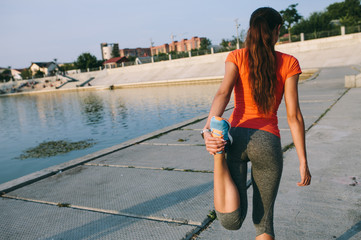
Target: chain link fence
322	34
353	29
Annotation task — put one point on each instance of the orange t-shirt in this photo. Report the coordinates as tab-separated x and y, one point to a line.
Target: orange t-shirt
245	113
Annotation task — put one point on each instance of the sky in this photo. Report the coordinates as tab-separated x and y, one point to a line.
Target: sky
42	30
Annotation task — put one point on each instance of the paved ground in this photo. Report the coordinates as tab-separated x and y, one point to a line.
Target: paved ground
159	186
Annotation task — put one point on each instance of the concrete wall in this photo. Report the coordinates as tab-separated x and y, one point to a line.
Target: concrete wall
326	52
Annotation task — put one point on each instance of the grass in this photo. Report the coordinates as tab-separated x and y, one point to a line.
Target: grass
167	169
306	74
212	215
53	148
182	140
63	204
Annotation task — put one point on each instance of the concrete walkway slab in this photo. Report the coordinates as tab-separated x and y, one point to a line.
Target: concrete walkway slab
145	193
146	155
28	220
180	137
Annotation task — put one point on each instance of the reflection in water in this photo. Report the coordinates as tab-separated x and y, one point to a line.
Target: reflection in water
108	117
92	108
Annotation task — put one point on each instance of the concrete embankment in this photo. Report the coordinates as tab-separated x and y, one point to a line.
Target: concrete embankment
325	52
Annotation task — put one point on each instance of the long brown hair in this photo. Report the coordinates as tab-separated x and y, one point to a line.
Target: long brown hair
262	57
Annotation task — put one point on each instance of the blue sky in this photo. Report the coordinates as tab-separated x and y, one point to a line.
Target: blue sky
41	30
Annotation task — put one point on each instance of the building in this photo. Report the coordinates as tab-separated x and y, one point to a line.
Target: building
184	45
159	49
16	73
107	49
48	68
135	52
114	62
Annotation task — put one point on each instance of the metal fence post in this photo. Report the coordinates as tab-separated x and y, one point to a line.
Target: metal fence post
343	30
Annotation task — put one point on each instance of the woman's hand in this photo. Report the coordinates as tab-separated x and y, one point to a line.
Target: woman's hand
305	175
213	144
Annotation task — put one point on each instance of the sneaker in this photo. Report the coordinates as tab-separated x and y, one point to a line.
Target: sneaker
220	128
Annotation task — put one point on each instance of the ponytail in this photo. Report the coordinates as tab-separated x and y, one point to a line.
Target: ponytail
262	58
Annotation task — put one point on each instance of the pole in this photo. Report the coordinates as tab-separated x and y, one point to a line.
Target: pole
56	69
237	26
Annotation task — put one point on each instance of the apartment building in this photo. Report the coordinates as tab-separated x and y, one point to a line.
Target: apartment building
184	45
135	52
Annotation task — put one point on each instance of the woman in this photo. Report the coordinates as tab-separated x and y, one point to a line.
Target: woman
260	76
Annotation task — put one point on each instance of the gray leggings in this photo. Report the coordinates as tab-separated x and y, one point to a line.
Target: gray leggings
264	151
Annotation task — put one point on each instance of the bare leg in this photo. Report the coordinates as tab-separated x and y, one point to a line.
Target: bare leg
226	196
264	236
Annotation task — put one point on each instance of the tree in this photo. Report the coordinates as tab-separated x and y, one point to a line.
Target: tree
290	16
115	51
5	75
232	43
205	43
85	61
26	73
67	67
39	74
346	13
318	21
224	43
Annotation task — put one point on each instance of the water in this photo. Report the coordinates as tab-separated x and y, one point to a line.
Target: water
108	117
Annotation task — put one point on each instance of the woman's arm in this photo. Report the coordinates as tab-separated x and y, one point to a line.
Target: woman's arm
219	104
295	121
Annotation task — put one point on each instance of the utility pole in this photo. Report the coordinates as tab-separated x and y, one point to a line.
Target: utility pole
151	46
56	69
237	26
172	37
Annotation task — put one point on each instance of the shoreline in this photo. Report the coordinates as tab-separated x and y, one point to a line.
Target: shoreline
308	74
205	80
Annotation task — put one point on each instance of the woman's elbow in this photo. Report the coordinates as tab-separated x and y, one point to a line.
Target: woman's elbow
295	118
223	95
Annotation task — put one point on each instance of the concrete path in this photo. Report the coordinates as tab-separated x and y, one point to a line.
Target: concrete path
159	186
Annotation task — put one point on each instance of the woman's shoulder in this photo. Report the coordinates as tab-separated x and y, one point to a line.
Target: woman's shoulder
237	55
285	56
288	64
238	51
